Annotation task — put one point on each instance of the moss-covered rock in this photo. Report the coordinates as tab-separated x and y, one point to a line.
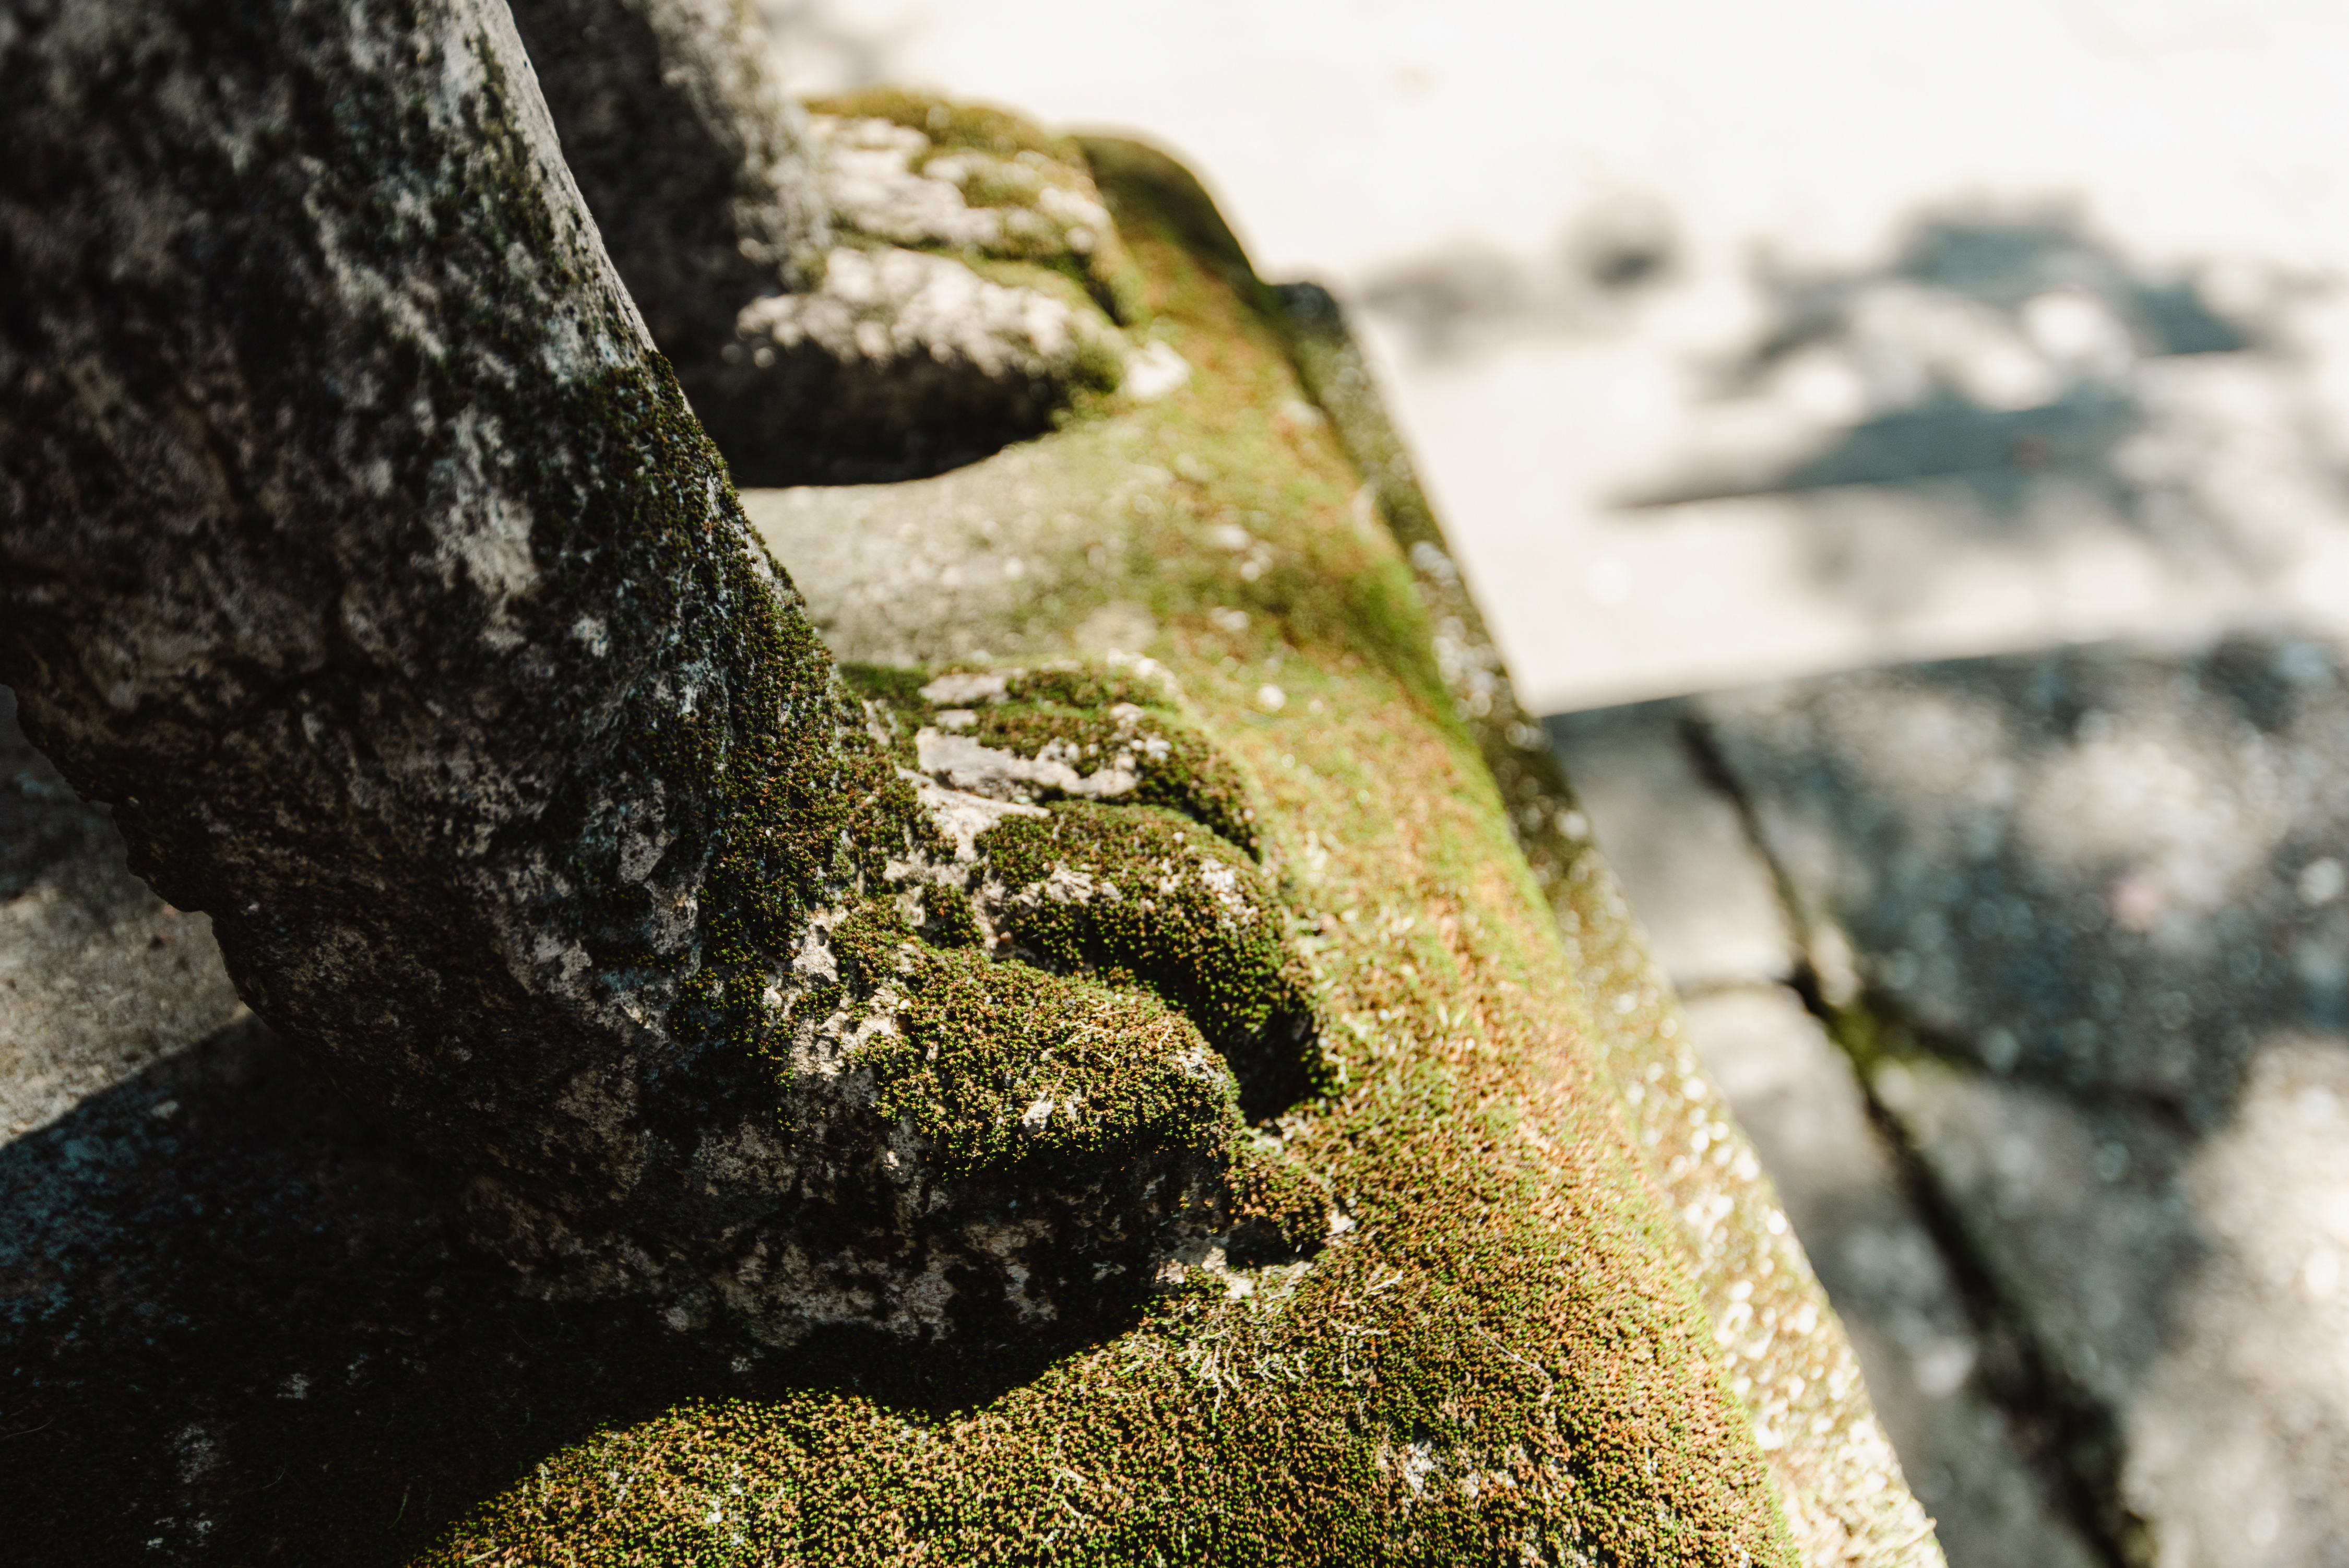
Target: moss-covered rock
1020	193
1013	1071
1497	1356
1493	1353
1140	895
1066	731
973	292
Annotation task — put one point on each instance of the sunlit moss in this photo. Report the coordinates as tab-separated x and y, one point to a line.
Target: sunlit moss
1499	1360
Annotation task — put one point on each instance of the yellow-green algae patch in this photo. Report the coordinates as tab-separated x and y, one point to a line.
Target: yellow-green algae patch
1500	1361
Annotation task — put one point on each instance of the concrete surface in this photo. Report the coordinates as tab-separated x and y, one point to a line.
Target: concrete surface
2076	922
1739	342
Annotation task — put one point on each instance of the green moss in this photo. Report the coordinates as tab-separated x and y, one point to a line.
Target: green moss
1084	685
1280	1208
946	917
1065	708
1145	189
899	686
1175	767
1010	1071
949	123
1139	890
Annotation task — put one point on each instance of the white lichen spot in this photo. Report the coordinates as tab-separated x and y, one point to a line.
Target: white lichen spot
590	631
891	307
1155	370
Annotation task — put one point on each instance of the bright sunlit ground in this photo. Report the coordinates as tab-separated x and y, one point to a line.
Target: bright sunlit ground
1745	341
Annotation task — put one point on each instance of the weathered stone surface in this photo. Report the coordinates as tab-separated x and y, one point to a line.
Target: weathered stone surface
1125	523
976	291
413	627
389	691
699	170
890	291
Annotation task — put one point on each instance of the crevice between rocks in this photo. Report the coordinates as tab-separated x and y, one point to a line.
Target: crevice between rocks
2072	1438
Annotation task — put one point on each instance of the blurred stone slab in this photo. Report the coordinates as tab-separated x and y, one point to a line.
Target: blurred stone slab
2110	870
1795	1095
98	978
1612	254
2093	902
2193	1287
1700	888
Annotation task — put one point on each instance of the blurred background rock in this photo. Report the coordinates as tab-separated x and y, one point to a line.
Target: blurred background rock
1902	443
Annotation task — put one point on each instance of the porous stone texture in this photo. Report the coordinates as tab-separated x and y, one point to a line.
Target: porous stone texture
405	617
412	627
1212	527
2076	919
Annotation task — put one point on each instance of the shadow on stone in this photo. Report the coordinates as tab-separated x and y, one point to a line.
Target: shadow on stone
2077	918
236	1330
1996	357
